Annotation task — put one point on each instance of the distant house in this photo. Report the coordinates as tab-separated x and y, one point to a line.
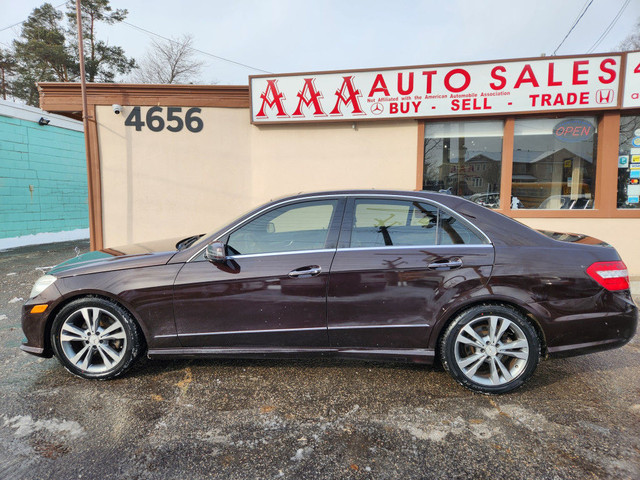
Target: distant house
43	177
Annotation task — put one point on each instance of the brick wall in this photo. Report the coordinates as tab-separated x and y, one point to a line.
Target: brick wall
43	179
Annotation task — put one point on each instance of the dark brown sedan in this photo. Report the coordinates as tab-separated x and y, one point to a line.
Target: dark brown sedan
410	276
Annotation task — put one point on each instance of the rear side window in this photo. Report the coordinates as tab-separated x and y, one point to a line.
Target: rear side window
380	223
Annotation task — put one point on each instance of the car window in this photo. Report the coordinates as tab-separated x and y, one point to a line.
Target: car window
301	226
380	223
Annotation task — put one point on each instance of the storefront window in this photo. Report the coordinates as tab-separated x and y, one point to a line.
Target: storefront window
464	158
554	163
629	162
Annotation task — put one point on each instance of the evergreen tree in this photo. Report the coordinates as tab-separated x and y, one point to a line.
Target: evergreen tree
41	54
7	67
102	61
47	49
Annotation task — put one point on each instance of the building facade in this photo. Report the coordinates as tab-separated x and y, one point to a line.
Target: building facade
553	142
43	177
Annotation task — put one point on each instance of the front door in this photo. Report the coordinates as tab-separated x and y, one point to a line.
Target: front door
271	292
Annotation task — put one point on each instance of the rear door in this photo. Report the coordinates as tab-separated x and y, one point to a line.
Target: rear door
398	263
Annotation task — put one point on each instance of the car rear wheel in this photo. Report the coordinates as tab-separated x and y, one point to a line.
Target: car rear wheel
95	338
490	349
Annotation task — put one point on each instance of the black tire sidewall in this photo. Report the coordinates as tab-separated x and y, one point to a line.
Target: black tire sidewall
447	346
129	326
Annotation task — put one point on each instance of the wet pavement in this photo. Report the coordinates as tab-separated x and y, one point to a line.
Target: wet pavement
577	418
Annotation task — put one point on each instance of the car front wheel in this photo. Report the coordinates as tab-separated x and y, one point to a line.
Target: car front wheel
490	349
95	338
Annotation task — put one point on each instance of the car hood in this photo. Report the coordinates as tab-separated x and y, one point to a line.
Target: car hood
118	258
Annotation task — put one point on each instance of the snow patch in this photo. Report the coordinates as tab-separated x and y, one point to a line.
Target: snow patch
25	425
16	300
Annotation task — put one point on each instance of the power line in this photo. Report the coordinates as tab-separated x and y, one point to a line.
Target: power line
149	32
195	49
584	10
608	29
20	23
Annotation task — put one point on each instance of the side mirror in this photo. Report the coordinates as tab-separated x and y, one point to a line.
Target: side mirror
216	252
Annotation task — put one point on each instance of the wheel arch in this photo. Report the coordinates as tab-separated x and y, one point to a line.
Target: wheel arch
48	348
450	316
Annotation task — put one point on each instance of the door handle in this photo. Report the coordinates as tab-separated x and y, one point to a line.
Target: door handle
446	264
304	272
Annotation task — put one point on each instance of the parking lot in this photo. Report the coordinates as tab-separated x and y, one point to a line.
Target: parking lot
240	419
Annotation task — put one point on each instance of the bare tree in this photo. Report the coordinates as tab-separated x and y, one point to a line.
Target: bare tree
632	41
171	61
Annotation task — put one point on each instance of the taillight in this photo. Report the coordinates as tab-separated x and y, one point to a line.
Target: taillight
611	275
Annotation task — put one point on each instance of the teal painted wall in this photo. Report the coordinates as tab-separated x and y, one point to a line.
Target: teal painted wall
43	179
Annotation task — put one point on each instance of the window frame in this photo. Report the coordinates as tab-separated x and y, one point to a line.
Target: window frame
606	178
344	242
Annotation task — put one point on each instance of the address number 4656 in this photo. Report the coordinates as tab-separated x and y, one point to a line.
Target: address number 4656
155	120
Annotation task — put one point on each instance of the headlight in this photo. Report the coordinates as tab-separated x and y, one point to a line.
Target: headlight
41	284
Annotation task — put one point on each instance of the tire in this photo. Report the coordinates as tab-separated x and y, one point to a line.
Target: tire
94	338
490	349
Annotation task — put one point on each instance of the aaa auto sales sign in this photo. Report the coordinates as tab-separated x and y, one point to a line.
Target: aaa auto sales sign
546	84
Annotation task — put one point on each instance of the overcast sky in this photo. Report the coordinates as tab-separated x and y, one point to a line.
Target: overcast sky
285	36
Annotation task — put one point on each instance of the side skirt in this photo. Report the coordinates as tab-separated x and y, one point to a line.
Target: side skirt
404	355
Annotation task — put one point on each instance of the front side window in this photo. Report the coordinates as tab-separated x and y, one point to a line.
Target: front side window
385	223
301	226
554	163
629	162
464	158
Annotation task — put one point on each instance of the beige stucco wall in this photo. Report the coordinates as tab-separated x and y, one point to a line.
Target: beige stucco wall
622	233
163	184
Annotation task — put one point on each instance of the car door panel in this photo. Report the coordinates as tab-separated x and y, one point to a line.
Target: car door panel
398	263
253	301
389	297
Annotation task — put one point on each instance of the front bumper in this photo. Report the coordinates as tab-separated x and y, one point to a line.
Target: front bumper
35	326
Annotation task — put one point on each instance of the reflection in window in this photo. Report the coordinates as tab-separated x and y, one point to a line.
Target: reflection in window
554	163
464	158
301	226
629	162
380	223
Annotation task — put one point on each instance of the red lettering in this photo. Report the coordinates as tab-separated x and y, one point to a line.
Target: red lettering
409	89
500	78
527	76
352	97
558	100
584	98
466	104
312	99
545	100
457	71
572	98
533	99
577	72
551	81
276	101
416	105
610	71
455	105
393	107
379	85
429	74
404	107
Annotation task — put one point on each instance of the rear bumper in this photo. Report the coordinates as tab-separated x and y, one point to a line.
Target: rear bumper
578	333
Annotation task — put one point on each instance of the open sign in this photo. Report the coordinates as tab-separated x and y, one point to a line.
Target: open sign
573	130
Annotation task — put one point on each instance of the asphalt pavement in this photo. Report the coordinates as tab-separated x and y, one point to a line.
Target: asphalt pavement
577	418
